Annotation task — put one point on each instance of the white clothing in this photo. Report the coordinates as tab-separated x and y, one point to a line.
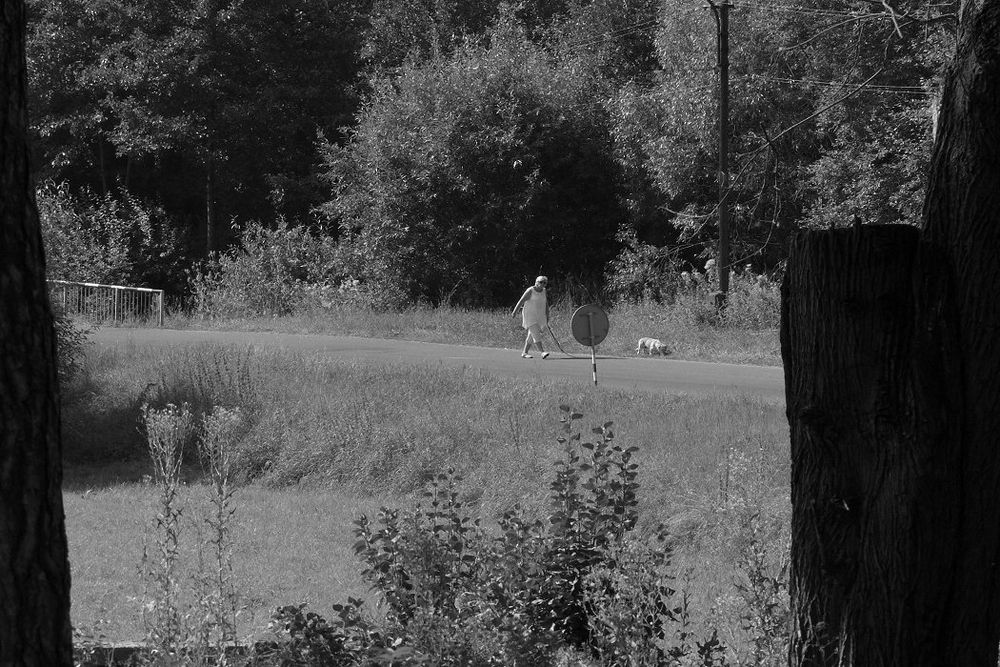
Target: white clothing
533	311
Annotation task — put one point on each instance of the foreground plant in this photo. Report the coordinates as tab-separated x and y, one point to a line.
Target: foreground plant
218	598
578	582
192	624
167	431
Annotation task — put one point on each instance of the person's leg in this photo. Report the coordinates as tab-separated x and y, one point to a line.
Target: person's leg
527	345
534	336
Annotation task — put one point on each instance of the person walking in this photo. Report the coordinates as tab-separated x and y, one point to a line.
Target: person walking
534	307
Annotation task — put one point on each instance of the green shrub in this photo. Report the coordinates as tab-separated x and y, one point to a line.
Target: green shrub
579	580
753	303
495	152
628	604
763	594
206	375
115	238
643	272
309	639
71	342
277	272
167	431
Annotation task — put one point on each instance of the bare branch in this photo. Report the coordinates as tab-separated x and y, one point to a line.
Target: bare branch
892	15
822	32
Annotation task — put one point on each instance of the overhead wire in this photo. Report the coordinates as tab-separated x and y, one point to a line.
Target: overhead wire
752	156
572	47
621	32
866	85
794	9
872	87
739	4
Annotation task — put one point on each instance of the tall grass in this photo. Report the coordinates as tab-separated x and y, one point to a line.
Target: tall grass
688	322
322	441
371	427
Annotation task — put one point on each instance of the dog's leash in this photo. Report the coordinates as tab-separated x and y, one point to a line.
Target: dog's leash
553	334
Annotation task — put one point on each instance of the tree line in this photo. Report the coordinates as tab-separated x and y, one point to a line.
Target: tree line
452	149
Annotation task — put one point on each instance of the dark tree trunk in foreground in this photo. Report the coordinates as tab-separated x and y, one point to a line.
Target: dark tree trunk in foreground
34	568
871	406
891	346
962	216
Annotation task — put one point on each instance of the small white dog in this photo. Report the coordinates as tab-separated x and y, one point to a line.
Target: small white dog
652	346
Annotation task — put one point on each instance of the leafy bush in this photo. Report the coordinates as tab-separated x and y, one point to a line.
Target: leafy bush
628	604
309	639
763	596
753	303
71	340
113	239
491	152
643	272
457	594
276	272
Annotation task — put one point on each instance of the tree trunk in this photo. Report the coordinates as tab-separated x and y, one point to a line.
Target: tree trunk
871	413
893	396
210	10
34	568
101	166
962	218
209	204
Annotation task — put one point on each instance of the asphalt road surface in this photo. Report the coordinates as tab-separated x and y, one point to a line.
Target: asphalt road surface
648	373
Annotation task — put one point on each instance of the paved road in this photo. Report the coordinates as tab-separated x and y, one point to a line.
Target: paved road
645	373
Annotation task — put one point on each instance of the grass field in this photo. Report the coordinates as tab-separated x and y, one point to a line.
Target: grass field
293	547
328	441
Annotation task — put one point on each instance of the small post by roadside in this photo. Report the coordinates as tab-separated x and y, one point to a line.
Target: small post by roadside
590	327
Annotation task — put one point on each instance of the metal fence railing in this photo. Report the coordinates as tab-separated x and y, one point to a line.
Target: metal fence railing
108	303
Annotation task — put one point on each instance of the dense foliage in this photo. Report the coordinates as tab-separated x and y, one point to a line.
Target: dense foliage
471	174
208	107
270	272
113	239
450	150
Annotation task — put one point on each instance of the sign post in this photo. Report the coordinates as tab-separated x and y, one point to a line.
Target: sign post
590	327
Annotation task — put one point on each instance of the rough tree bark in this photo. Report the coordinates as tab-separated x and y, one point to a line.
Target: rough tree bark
34	567
871	409
962	218
892	373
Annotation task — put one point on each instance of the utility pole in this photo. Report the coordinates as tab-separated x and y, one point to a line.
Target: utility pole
720	10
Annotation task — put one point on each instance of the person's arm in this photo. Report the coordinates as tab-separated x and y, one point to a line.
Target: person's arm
524	297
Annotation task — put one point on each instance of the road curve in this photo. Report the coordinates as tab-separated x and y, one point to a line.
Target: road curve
647	373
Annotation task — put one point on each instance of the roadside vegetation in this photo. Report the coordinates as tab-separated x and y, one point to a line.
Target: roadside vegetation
286	279
495	328
689	325
316	445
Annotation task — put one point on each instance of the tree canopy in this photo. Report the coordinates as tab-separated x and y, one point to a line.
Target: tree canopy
456	147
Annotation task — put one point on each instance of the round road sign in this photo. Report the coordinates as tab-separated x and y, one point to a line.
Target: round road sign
590	325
